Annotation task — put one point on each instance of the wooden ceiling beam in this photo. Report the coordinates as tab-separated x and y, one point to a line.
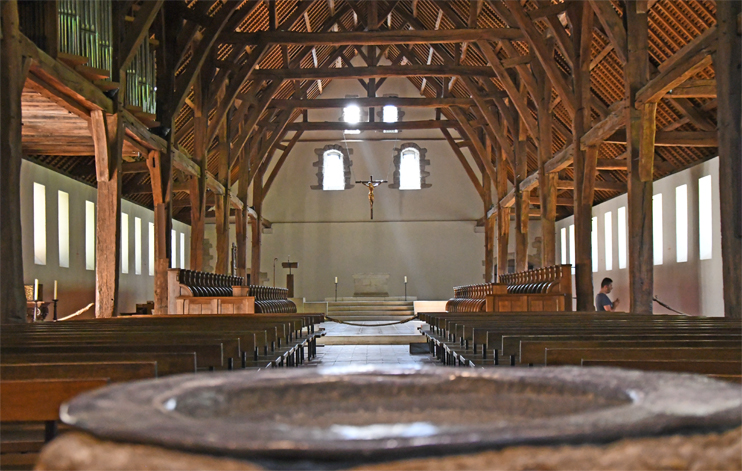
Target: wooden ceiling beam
367	126
401	102
281	160
493	128
374	38
613	26
464	163
539	48
694	88
369	72
477	149
673	138
138	31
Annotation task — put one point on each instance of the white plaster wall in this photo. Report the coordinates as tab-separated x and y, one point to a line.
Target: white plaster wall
76	284
694	287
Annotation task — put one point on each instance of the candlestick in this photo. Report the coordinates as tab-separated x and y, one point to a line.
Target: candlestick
55	310
35	289
55	288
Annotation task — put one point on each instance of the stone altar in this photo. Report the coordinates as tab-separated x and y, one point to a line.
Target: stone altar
371	284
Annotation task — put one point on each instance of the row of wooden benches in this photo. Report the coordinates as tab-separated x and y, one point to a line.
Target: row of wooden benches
711	346
43	365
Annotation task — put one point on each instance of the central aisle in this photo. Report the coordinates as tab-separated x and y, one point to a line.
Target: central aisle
346	345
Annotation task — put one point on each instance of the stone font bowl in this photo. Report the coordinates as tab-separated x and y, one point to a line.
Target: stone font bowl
352	414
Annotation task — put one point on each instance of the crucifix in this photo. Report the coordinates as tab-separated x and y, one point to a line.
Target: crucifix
371	184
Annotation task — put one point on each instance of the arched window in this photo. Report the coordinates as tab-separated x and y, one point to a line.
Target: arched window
333	168
333	173
409	169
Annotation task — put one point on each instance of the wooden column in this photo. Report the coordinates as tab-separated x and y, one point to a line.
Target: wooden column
197	191
160	164
581	15
522	198
503	214
108	139
257	229
636	75
241	217
489	226
12	77
728	79
223	202
547	181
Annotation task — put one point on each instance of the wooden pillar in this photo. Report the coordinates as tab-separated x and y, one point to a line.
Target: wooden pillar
547	182
728	78
584	161
160	164
197	191
641	268
223	201
522	199
12	77
503	214
108	139
489	226
241	218
257	229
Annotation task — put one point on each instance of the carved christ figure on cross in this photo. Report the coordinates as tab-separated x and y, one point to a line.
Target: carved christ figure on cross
371	184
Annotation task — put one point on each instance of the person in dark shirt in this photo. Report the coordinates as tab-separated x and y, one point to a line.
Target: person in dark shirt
602	301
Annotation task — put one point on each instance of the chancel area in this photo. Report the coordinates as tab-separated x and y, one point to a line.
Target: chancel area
492	234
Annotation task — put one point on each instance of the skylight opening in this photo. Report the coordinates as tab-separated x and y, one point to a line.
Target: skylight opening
352	115
390	114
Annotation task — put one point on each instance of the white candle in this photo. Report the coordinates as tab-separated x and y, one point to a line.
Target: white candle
405	279
36	289
55	289
336	280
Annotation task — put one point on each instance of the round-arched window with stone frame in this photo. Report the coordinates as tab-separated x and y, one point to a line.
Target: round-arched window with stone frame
333	168
410	168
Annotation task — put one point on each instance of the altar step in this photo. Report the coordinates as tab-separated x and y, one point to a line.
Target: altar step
370	310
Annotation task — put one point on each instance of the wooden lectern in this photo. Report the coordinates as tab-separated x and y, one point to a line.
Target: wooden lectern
290	277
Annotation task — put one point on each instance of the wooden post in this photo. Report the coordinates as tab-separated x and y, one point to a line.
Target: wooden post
197	191
489	227
12	297
503	214
51	27
547	181
641	268
223	202
160	164
257	229
241	218
522	198
728	79
584	162
108	140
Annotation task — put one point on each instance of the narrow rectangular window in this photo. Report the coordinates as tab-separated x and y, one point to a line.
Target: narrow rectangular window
657	228
151	249
182	250
390	114
173	251
137	246
608	241
705	229
594	243
352	115
124	243
39	224
572	246
89	235
621	214
681	223
564	245
63	217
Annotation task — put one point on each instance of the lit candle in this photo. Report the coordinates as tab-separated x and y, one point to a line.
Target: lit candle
55	289
336	280
35	289
405	279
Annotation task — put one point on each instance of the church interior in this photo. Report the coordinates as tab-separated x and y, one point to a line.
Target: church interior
370	234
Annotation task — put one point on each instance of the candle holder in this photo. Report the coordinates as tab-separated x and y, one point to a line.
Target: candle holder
405	290
55	309
35	309
336	291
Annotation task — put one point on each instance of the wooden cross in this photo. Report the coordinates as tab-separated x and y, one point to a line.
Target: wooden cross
371	184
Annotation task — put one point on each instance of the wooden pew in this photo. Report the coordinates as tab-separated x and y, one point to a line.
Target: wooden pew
721	369
167	363
574	356
115	371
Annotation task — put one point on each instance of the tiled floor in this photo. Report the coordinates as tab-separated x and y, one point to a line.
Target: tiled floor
385	355
344	355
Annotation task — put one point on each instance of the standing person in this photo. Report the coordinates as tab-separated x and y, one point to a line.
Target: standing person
602	301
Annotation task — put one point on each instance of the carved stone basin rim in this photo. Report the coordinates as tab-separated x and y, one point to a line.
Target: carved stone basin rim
356	412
